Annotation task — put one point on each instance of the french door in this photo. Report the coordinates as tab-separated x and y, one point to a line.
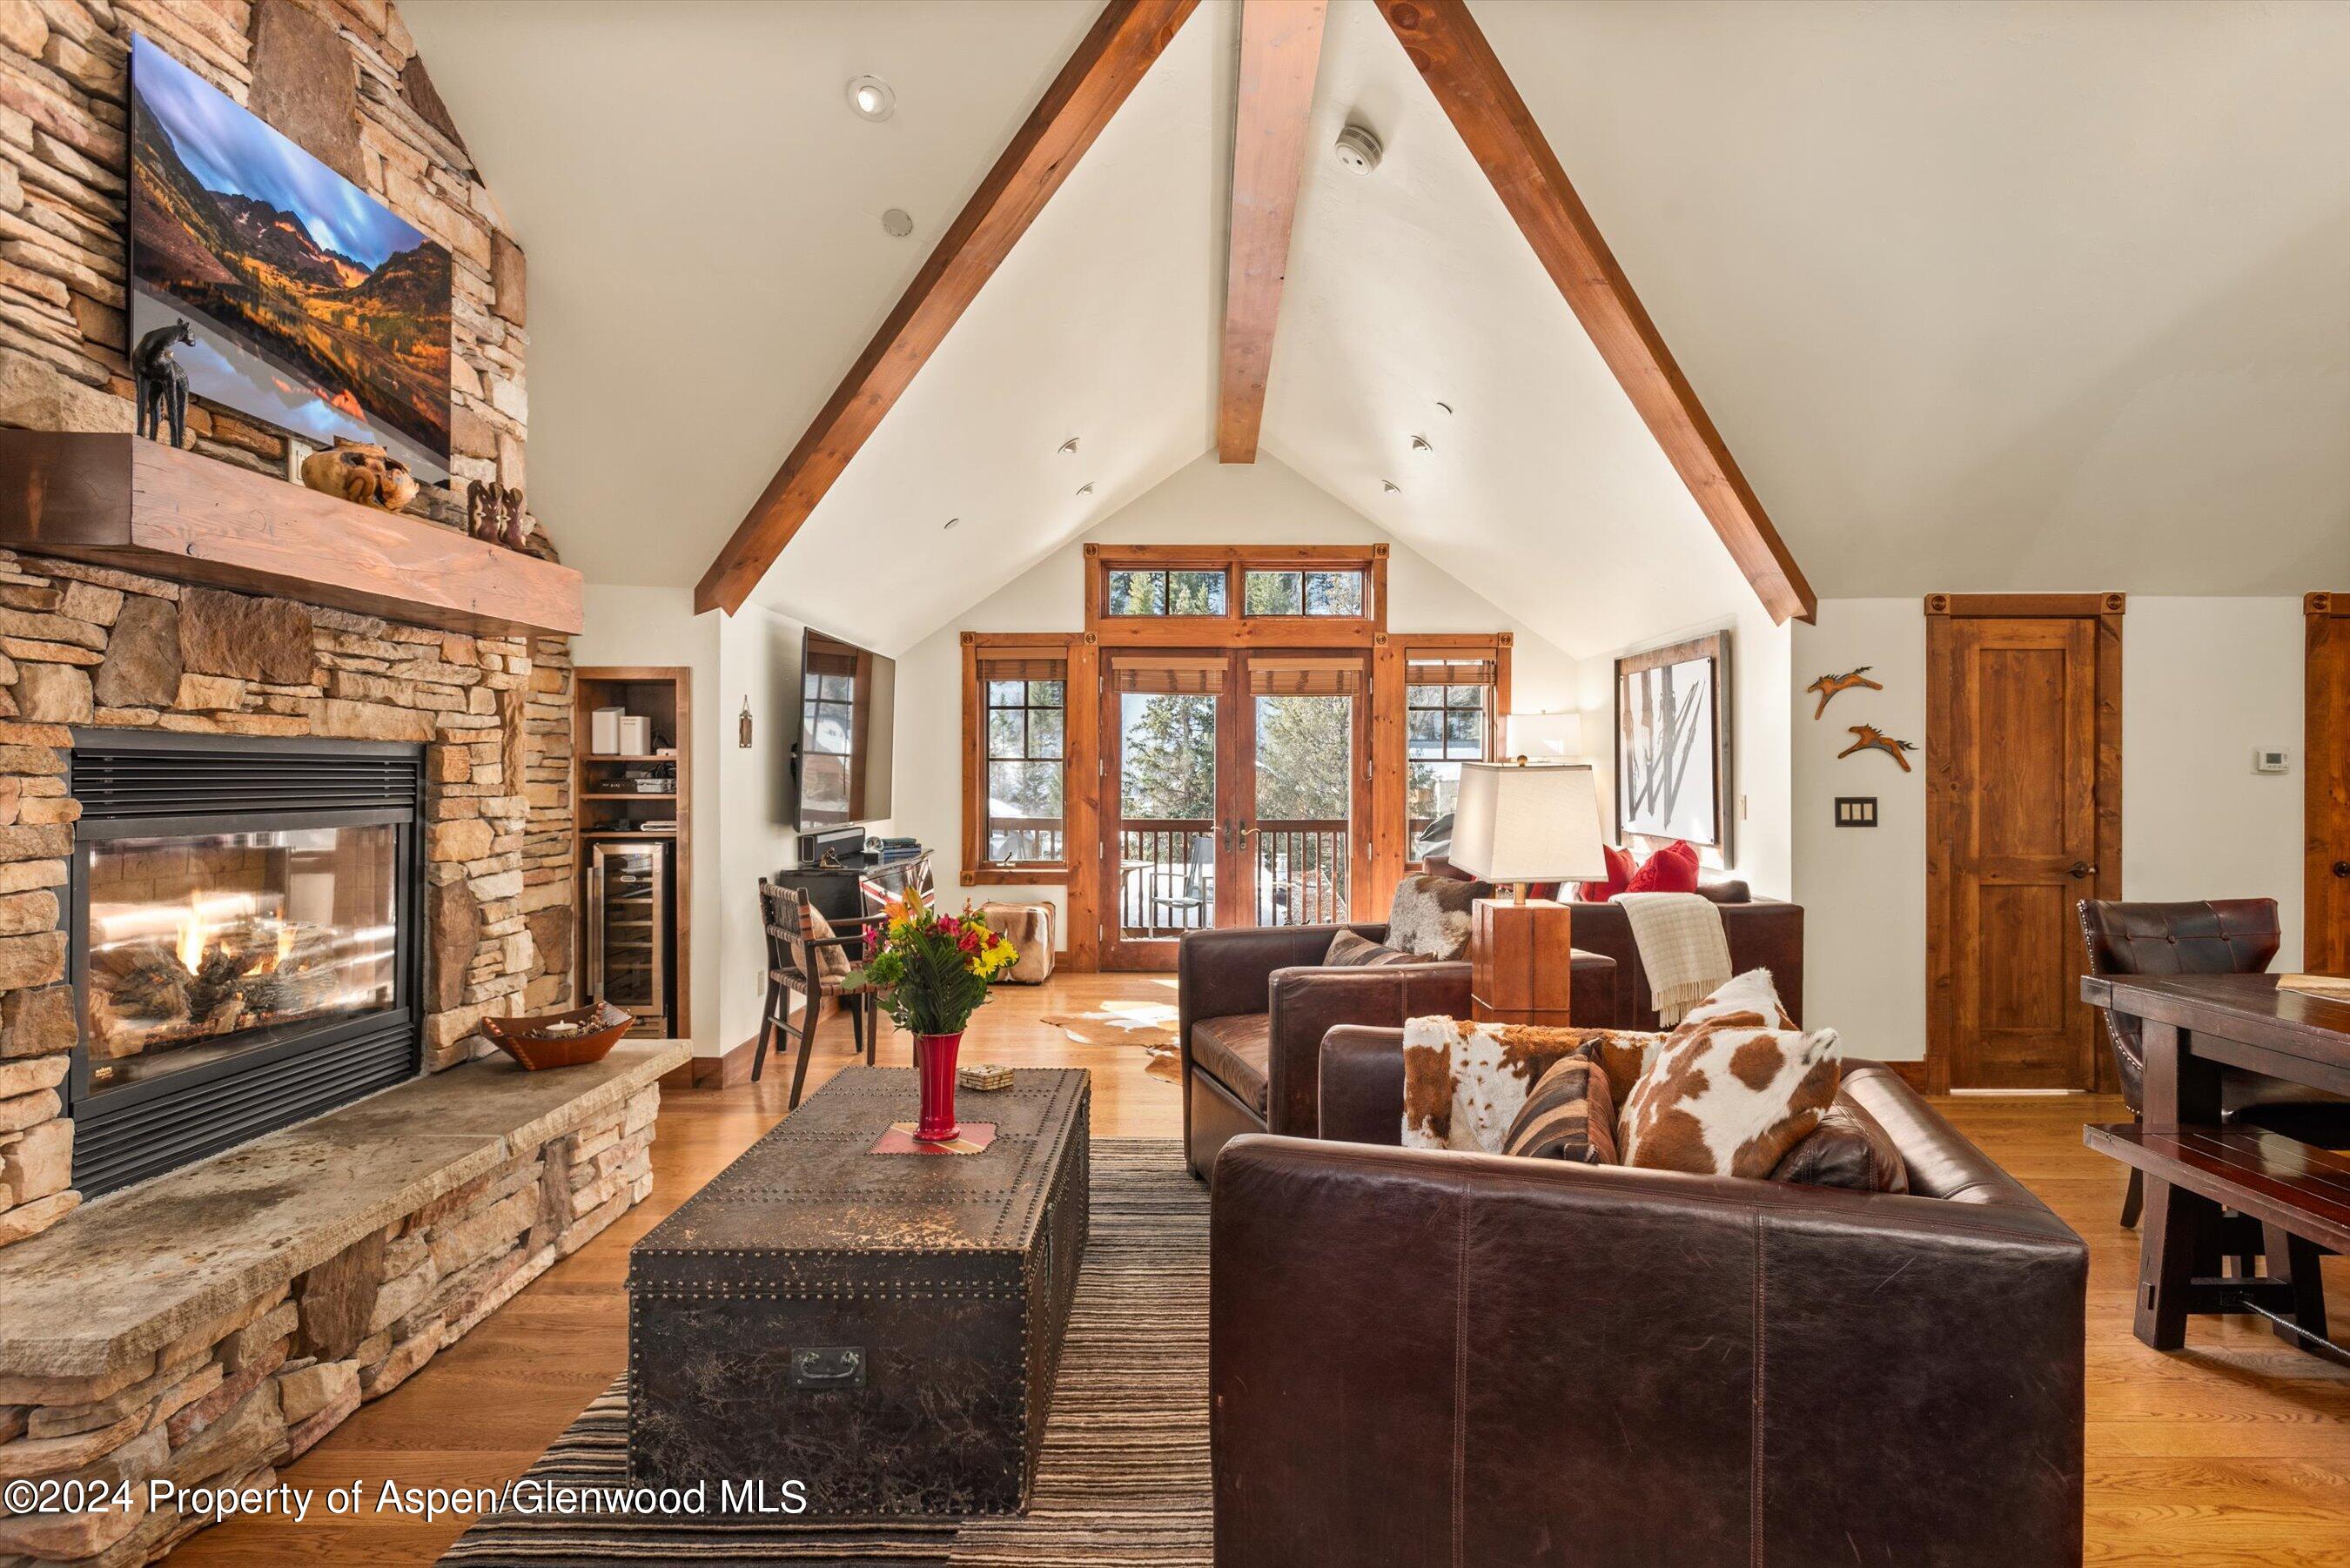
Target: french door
1234	791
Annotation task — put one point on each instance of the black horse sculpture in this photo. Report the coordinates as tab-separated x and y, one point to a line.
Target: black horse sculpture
161	383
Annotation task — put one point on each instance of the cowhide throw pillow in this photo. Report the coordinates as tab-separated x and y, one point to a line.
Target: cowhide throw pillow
1349	950
1570	1116
1464	1084
1729	1092
1754	991
1431	915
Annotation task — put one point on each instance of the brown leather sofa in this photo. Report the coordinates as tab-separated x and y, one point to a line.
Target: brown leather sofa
1763	933
1422	1358
1253	1003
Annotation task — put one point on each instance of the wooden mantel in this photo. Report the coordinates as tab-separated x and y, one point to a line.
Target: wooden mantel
141	506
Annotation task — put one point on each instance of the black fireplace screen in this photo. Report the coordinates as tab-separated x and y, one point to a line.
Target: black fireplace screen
245	939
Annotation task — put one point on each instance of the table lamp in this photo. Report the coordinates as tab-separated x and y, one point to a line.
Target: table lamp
1515	822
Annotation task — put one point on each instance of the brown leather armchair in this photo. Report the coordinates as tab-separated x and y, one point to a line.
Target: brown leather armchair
2203	935
1422	1358
1253	1003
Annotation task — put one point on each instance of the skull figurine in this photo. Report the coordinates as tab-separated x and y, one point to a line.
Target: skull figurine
361	471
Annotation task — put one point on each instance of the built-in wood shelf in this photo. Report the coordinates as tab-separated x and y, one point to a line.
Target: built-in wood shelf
141	506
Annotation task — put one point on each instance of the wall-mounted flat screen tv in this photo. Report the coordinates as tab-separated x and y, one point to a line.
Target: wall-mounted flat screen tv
314	307
849	708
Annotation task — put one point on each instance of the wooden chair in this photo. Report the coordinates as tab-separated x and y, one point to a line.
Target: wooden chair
796	947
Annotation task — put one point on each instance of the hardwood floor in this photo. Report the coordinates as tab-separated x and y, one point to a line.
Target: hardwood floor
2234	1453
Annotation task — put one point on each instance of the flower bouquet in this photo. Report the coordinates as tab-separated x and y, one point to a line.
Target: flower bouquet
932	971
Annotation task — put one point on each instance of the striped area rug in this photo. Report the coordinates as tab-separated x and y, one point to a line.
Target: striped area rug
1123	1475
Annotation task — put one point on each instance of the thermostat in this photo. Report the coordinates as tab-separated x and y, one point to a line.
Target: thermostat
2272	760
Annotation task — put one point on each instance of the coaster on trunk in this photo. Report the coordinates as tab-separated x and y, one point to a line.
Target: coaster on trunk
984	1075
970	1137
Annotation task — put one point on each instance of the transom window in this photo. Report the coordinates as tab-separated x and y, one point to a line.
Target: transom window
1180	590
1303	593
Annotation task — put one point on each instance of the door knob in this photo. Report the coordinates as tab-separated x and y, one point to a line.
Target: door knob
2342	868
2081	868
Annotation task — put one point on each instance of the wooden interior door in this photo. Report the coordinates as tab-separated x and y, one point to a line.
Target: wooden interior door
2022	758
2325	792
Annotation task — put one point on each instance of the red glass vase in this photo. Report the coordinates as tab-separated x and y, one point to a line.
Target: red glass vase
934	1063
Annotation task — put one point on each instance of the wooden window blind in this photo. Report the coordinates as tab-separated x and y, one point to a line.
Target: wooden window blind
1168	673
1306	677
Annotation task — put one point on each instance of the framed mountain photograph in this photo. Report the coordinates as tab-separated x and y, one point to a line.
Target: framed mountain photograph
1672	742
314	307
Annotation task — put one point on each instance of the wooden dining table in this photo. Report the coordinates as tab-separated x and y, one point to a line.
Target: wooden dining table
2197	1169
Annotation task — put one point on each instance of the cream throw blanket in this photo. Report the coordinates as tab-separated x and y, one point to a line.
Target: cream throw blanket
1682	949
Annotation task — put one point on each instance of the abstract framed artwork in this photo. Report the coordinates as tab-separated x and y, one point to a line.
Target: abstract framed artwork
1672	742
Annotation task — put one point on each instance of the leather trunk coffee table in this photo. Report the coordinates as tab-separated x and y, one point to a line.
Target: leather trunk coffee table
883	1329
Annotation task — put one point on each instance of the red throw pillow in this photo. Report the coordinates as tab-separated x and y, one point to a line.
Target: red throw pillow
1672	870
1619	877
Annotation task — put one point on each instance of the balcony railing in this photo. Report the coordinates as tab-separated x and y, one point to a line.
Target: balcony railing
1167	880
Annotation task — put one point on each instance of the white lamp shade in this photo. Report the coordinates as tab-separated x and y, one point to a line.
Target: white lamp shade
1544	736
1538	822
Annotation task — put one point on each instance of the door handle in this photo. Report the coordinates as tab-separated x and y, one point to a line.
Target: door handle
2342	868
2081	868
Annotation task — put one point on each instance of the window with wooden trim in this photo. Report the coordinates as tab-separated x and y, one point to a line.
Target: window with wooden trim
1165	591
1017	701
1324	593
1452	714
1169	596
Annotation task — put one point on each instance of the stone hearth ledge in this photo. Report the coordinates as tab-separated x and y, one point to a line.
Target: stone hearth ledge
125	1276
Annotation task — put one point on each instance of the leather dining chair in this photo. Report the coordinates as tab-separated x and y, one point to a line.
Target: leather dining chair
2205	936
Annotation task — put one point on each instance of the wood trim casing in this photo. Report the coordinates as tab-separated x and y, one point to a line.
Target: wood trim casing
1235	628
1450	51
1942	800
2325	782
1107	64
974	871
1281	51
584	680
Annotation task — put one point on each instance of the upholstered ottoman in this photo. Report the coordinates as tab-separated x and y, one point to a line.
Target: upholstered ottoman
1029	929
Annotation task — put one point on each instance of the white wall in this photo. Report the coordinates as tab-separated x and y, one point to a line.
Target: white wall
1863	889
1264	503
2204	681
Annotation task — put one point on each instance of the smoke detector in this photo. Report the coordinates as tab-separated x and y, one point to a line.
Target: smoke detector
1359	149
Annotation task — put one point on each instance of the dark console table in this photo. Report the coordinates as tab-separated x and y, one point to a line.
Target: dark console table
858	885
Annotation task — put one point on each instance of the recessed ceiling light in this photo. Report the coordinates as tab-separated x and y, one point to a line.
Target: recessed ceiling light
896	223
1070	444
1419	443
1086	488
871	98
1391	487
1359	149
953	520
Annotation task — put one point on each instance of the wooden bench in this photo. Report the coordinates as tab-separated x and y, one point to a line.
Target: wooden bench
2275	1181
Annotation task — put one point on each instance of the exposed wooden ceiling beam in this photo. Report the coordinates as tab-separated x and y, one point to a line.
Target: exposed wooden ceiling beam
1120	47
1450	51
1281	48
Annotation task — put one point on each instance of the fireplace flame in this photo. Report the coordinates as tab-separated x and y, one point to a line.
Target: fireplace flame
194	934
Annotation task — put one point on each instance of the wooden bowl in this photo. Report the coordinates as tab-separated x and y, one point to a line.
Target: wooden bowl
521	1039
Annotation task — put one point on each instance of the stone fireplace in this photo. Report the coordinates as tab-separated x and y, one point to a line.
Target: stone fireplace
244	922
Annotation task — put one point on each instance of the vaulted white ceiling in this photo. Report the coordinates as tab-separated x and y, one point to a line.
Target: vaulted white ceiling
1982	296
